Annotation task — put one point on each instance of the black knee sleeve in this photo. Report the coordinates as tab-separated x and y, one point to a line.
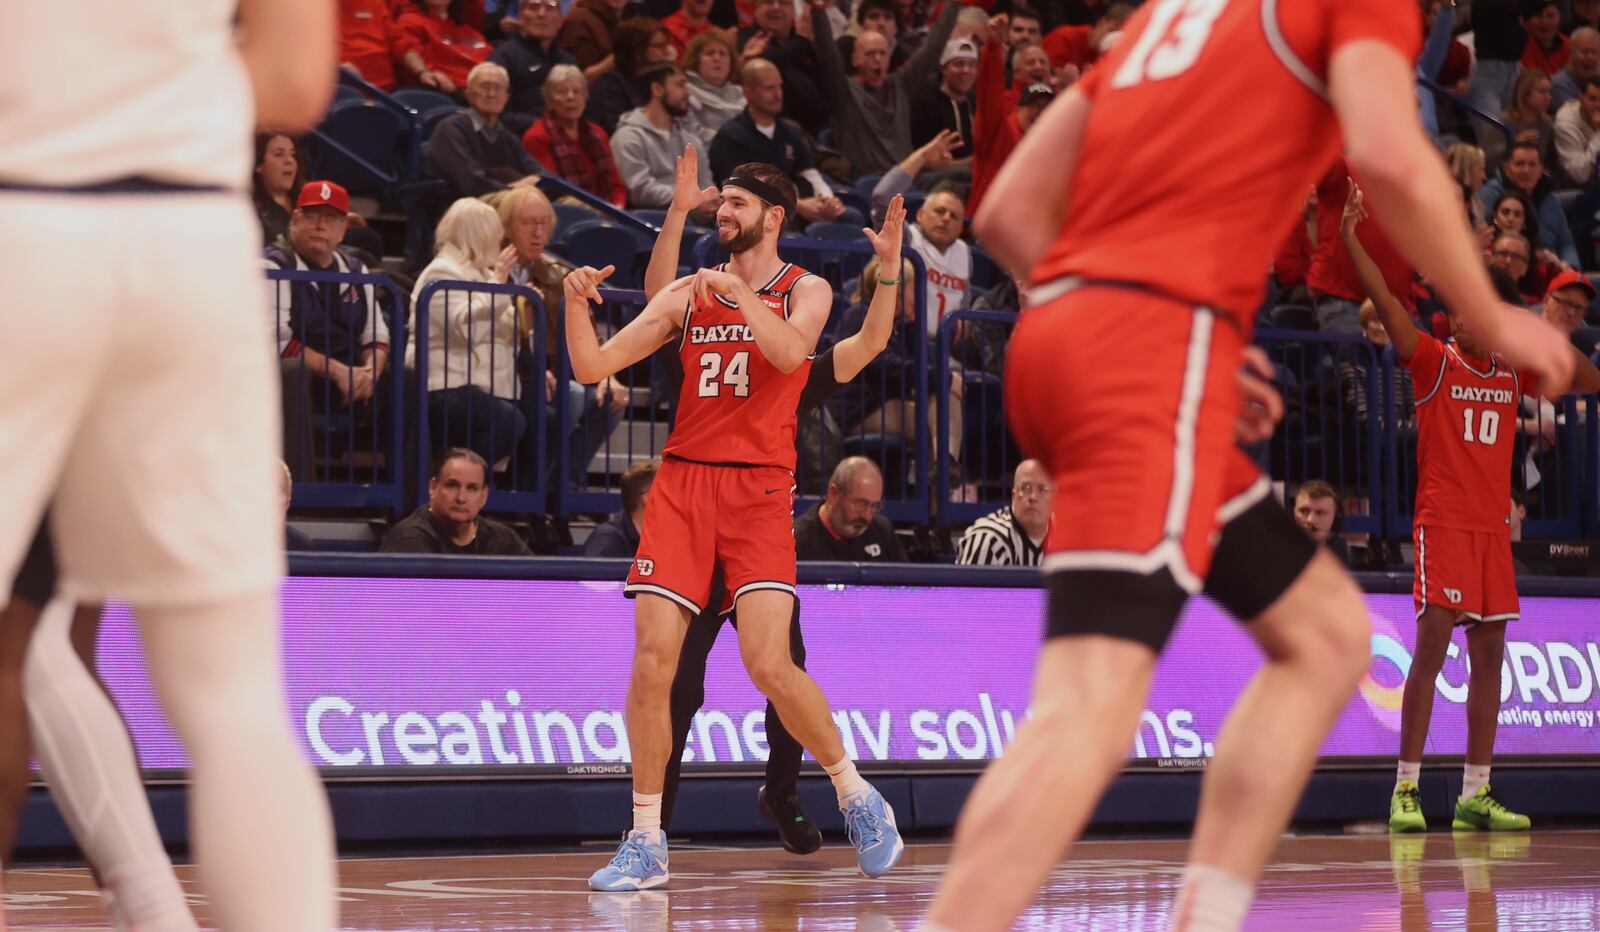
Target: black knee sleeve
1133	606
1261	553
36	577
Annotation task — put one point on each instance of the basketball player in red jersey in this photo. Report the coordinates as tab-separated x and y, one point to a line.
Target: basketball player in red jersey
724	494
1468	413
1145	205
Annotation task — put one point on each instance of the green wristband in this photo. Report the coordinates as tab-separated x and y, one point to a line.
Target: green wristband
888	281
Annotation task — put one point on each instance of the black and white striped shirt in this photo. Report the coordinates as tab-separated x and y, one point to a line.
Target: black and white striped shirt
997	540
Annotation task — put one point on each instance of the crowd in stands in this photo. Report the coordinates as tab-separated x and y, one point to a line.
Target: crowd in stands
858	101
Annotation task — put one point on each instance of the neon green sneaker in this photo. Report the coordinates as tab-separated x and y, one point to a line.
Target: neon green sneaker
1405	809
1484	813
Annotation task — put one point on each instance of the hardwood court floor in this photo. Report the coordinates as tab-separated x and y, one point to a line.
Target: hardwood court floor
1547	881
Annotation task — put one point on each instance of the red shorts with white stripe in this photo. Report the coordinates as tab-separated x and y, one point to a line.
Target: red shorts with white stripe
1469	572
1129	399
698	515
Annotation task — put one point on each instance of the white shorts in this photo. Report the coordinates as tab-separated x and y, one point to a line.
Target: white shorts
138	395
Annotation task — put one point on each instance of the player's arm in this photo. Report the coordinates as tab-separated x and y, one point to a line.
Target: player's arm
1420	206
687	195
1585	377
1391	313
785	343
291	50
852	354
659	322
1036	175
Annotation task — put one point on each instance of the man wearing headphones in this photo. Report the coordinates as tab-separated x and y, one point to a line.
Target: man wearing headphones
1316	510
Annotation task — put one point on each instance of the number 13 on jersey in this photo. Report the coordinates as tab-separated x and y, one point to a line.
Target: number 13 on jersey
1171	41
714	375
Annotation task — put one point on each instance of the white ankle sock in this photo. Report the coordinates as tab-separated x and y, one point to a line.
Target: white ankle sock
846	782
1408	770
1212	900
88	761
647	812
1473	777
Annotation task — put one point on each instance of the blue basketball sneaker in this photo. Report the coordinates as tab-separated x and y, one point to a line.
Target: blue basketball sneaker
870	823
640	863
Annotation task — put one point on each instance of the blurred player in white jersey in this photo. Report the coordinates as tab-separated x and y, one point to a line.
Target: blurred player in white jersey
137	394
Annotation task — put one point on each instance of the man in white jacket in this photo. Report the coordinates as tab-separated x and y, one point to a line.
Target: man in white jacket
1577	138
650	138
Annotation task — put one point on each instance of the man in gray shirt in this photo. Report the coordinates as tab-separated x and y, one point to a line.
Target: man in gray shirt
872	111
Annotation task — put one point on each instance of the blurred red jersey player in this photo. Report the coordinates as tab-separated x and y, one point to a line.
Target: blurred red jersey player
1155	193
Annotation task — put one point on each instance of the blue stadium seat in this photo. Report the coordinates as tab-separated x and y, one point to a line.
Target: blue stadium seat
598	243
834	231
423	100
344	92
854	199
653	217
570	215
864	185
375	133
890	452
1292	317
430	121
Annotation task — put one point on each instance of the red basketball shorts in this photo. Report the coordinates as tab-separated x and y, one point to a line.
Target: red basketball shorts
1465	571
698	516
1130	401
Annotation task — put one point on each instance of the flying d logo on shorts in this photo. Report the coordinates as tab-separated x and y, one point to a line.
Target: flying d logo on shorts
1454	595
646	567
874	550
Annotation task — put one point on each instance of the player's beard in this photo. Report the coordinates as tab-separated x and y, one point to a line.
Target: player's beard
746	238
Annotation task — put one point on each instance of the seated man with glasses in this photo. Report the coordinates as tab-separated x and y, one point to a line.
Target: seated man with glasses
846	525
1566	302
1013	536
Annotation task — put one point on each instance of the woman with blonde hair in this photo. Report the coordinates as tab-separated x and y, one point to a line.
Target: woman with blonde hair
473	338
1527	117
1470	167
593	411
714	96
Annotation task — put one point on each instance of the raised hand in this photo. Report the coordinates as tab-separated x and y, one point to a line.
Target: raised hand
887	240
583	284
1355	211
687	195
503	265
707	282
1261	406
940	150
999	27
755	45
1529	342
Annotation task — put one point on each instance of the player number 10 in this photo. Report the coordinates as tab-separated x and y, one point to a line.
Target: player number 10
1488	427
737	374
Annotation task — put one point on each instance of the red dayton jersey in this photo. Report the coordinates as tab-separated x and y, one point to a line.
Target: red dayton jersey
1467	415
735	406
1209	123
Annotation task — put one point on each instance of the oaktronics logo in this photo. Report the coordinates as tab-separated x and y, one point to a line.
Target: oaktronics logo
1547	675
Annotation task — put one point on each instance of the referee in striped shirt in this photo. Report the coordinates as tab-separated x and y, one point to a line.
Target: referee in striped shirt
1013	536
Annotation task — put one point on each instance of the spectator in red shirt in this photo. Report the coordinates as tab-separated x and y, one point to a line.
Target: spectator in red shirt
367	41
1081	45
1293	260
449	47
570	146
1000	123
1336	292
1547	48
1030	65
689	21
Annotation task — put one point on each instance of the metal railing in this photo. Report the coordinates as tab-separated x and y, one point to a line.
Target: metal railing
981	454
332	467
462	412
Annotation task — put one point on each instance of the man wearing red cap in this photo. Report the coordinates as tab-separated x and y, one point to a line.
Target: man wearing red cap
1469	404
332	340
1565	303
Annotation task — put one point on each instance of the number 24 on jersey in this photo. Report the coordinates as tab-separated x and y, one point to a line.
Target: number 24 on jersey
714	375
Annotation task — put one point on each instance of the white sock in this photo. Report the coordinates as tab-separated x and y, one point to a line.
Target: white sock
1408	770
1473	777
259	824
846	782
647	812
87	758
1212	900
